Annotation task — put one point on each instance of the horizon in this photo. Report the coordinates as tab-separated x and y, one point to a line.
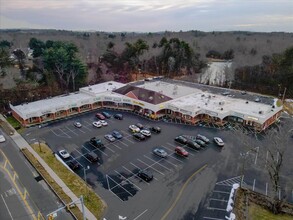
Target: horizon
152	16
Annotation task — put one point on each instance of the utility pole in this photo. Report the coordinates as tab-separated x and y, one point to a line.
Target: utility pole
53	214
284	94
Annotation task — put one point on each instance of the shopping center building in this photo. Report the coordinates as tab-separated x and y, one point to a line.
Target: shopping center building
155	98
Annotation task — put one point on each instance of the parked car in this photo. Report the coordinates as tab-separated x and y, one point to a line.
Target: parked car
160	152
203	138
64	154
243	92
145	175
257	99
73	164
146	132
193	144
100	116
103	122
2	138
156	129
93	157
226	93
77	124
110	137
180	139
118	116
96	142
139	136
219	141
116	134
97	124
201	143
181	151
106	114
134	128
139	125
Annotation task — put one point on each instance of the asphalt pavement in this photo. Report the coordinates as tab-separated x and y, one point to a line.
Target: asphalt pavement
40	197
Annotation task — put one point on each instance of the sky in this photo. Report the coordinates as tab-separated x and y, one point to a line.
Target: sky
148	15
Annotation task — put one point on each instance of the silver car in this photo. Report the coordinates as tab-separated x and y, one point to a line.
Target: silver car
110	137
160	152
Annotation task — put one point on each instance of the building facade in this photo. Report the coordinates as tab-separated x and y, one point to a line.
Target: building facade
155	99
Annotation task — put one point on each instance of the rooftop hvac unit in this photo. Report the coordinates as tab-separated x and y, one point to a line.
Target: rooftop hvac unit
260	112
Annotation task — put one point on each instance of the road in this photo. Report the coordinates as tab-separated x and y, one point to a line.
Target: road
40	197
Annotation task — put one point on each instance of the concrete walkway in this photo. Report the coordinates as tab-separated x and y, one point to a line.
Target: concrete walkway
21	143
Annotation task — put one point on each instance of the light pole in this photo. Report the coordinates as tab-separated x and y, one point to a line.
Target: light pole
243	156
84	174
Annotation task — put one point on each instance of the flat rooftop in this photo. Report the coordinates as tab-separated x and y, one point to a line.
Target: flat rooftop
102	87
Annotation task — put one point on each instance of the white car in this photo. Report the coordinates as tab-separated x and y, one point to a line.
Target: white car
64	154
2	138
77	124
219	141
103	122
145	132
97	124
134	128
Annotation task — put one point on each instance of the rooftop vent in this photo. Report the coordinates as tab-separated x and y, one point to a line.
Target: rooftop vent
260	112
222	109
246	102
273	106
109	83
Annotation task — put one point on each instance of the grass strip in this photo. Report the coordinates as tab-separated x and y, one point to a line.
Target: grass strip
73	182
257	212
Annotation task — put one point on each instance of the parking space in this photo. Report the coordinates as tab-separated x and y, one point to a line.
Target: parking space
216	208
115	174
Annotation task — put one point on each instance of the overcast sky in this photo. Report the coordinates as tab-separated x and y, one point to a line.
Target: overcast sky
149	15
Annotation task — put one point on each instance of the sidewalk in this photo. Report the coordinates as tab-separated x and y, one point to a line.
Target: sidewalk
21	143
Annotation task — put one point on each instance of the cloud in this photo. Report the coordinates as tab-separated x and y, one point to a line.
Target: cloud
150	15
6	23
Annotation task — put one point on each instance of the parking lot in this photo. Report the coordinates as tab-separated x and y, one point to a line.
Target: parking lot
115	176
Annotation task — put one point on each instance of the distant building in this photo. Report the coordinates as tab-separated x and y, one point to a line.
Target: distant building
156	98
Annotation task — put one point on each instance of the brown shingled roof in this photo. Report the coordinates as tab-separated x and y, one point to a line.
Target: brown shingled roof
143	94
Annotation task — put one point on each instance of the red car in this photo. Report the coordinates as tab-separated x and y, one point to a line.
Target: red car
181	151
100	116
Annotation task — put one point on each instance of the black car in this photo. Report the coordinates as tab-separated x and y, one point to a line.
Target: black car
96	142
139	125
139	136
201	143
180	139
106	114
73	164
155	129
118	116
145	175
193	145
93	157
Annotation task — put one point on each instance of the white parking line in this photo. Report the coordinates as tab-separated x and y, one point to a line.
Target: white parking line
87	128
220	200
151	167
127	179
6	207
135	174
253	185
218	191
71	130
64	133
120	141
217	209
83	155
116	146
256	155
97	149
213	218
266	189
140	214
118	184
157	162
267	159
86	148
111	190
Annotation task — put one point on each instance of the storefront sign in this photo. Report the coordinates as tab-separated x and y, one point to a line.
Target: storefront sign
185	112
138	103
237	114
60	108
46	112
117	99
126	100
108	98
253	118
